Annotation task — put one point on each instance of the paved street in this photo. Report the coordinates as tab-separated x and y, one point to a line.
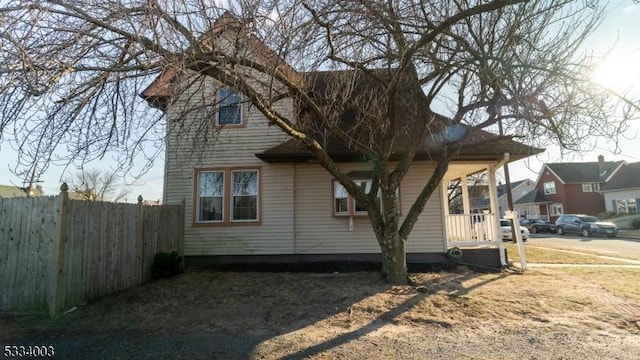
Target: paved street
618	247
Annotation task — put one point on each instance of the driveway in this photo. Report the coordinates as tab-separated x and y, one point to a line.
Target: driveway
618	247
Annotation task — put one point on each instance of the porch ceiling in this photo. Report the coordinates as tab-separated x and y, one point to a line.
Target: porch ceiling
458	170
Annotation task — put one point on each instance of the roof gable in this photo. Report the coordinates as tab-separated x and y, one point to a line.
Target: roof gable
584	172
627	178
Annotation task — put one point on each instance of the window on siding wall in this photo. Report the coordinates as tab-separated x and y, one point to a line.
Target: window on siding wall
245	195
210	196
219	201
626	206
229	107
549	187
344	204
556	209
587	187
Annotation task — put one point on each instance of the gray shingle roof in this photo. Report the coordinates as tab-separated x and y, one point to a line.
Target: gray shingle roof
583	172
533	196
627	178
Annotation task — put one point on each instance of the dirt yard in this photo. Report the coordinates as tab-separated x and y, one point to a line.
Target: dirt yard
203	314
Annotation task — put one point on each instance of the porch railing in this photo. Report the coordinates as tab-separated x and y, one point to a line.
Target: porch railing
471	229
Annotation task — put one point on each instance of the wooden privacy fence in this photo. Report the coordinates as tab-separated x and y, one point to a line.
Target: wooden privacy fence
56	253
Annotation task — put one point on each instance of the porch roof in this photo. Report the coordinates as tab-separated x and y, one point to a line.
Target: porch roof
533	197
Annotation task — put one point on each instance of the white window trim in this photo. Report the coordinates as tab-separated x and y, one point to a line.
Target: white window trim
587	187
545	187
554	207
231	196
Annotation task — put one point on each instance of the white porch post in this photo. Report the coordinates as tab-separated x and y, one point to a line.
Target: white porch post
464	182
493	200
445	211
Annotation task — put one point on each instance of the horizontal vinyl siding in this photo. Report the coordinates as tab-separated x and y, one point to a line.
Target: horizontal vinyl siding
319	232
229	147
428	232
273	236
609	196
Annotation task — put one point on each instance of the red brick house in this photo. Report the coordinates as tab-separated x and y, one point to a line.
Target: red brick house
566	188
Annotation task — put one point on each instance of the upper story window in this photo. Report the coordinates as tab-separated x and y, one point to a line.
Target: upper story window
549	187
229	107
226	196
590	187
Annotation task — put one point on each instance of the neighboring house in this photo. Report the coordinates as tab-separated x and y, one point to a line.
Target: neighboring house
10	191
518	190
256	195
622	192
566	188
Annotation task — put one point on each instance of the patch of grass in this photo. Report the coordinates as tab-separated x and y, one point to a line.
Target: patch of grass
541	255
624	283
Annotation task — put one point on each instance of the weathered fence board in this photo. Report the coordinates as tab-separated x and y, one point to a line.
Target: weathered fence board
56	253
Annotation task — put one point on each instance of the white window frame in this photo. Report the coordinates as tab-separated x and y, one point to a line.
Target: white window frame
596	186
587	187
627	206
556	209
232	195
221	103
549	192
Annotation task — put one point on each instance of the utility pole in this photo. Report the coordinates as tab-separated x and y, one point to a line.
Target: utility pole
507	185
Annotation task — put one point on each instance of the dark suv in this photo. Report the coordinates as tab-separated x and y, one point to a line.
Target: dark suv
586	225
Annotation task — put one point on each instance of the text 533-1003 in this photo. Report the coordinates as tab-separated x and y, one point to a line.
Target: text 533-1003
22	351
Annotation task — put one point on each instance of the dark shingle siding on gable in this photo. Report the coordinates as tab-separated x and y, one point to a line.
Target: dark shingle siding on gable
586	172
627	178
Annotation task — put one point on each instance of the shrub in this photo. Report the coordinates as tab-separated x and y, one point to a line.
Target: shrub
635	224
166	265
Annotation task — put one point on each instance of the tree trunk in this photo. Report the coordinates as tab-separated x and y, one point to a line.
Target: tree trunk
394	260
392	245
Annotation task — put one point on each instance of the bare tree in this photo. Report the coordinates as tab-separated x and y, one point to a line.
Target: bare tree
71	73
98	185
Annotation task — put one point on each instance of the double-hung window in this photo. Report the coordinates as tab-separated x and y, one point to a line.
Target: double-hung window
210	196
549	188
244	195
226	196
229	107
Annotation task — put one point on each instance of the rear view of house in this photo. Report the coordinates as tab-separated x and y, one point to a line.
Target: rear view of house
252	194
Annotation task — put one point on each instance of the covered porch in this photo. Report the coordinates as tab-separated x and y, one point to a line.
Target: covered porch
466	228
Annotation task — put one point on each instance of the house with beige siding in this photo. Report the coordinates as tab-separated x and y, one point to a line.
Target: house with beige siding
252	194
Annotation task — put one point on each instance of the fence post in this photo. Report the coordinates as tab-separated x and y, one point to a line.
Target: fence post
59	244
140	236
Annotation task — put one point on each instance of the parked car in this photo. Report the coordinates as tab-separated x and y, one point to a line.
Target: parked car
538	225
505	230
586	225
